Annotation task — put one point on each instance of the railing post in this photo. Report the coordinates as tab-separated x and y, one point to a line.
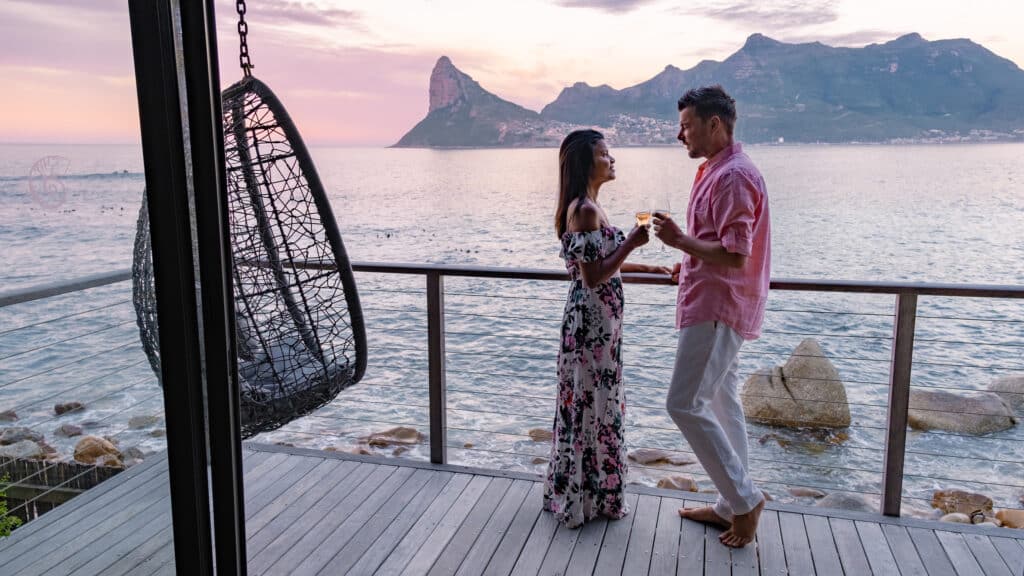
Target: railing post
436	361
899	401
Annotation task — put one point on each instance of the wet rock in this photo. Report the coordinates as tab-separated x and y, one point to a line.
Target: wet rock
24	449
684	483
540	460
804	392
1011	518
18	434
133	456
965	413
395	436
158	433
1011	390
69	430
960	501
8	416
364	450
654	456
846	501
96	450
540	435
467	445
66	407
139	422
399	451
957	517
800	492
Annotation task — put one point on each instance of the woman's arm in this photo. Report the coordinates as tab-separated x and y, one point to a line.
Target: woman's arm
645	268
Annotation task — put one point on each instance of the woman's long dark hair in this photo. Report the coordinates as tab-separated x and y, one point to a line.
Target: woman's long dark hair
575	162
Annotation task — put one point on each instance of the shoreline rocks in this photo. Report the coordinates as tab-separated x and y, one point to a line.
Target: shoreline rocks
805	392
400	435
1011	390
966	413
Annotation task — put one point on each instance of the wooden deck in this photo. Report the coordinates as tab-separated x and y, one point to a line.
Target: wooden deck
311	512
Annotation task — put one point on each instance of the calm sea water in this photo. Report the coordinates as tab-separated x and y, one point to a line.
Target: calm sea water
950	214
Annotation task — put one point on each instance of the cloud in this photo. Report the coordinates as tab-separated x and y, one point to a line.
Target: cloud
857	38
772	16
300	13
616	6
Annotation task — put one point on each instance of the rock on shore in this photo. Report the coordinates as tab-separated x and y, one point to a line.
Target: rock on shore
965	413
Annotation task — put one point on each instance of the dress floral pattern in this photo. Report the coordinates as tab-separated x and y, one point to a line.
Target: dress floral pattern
587	468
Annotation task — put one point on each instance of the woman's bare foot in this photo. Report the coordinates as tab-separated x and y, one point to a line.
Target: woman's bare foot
705	515
744	527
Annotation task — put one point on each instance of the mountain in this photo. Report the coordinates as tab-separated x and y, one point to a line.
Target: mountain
906	89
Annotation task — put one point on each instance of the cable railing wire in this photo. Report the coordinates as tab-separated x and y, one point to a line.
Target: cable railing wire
66	340
65	317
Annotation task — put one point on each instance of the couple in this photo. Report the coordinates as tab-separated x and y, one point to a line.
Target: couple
723	286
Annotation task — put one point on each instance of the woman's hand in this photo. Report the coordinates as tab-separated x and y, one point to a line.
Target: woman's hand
637	237
675	271
663	270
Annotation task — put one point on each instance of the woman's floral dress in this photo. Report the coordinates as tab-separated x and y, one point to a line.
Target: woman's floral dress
588	461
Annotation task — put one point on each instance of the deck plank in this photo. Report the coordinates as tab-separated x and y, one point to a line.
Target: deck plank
907	559
504	558
472	527
536	547
932	554
389	539
325	474
120	542
1012	553
612	554
438	539
410	543
588	547
988	557
556	559
959	553
486	545
823	546
355	543
717	556
795	543
771	557
665	554
319	544
880	557
641	537
849	546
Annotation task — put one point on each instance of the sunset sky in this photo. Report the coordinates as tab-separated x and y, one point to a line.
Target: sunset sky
356	72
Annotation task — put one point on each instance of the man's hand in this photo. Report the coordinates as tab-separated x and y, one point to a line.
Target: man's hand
675	271
667	230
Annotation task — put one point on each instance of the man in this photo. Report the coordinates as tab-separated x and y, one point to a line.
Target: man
723	286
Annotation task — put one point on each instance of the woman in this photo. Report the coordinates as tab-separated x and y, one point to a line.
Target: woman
587	469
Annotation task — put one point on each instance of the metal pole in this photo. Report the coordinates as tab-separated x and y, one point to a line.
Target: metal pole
206	140
899	402
163	147
436	361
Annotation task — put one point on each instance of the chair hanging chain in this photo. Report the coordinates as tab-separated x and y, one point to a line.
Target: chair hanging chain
243	47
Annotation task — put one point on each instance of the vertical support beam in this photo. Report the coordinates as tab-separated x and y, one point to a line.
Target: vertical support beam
163	148
206	141
899	402
436	360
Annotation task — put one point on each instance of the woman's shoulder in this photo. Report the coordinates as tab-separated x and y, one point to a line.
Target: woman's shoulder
584	216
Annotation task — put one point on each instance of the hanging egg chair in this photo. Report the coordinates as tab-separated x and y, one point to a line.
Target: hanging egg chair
299	329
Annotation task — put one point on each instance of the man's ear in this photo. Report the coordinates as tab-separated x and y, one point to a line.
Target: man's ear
715	122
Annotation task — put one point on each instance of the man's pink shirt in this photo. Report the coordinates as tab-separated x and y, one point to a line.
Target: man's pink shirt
728	204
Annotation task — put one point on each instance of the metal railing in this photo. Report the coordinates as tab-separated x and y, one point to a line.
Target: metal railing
900	361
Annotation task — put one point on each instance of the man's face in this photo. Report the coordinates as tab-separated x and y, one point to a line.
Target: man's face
694	132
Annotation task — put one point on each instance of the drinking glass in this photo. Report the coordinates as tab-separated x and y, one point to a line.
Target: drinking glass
664	212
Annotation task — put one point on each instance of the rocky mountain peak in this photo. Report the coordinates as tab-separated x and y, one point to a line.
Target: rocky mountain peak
448	84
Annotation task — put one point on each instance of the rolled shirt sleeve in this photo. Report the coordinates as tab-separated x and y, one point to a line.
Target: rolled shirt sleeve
734	209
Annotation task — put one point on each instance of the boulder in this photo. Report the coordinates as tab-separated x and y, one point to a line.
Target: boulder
540	435
539	460
654	456
139	422
66	407
8	416
846	501
18	434
69	430
1011	518
399	451
24	449
960	501
800	492
394	436
804	392
957	517
96	450
1011	390
964	413
684	483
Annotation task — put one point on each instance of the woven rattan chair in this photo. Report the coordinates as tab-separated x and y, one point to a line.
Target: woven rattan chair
300	334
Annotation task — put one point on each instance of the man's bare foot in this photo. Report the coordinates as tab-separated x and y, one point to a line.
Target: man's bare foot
705	515
744	527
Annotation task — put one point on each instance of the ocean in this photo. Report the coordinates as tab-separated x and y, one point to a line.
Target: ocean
936	213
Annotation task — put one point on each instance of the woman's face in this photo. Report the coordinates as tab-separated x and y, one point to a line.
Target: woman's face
604	165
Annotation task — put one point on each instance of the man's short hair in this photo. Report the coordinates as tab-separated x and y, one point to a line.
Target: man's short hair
708	101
